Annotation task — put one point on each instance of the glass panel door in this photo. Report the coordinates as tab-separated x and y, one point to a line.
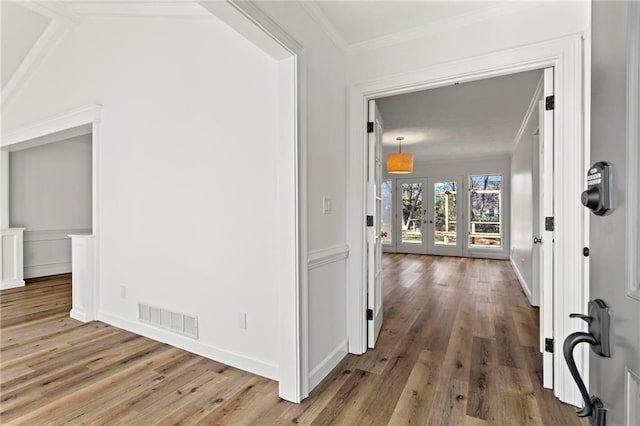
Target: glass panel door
444	222
411	219
387	212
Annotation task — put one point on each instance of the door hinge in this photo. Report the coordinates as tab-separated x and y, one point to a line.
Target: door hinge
369	314
370	127
548	345
369	220
550	103
549	223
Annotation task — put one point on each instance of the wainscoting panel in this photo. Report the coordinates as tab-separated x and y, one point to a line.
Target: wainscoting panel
11	273
48	252
327	311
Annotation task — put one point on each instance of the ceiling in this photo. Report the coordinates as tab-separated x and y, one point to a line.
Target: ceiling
474	119
358	22
21	28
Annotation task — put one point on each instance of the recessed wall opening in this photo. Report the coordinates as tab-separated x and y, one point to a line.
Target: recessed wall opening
50	196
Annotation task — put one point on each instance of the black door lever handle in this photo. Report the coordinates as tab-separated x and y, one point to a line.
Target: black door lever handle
585	318
567	349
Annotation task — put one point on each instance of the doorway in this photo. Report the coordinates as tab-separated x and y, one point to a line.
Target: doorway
562	54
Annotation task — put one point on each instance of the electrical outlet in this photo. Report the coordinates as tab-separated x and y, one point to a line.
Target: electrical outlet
123	291
242	320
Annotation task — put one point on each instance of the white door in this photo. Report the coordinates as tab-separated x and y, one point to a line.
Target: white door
444	216
374	230
546	229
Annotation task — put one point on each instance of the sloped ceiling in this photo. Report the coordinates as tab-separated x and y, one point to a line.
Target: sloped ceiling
473	119
21	29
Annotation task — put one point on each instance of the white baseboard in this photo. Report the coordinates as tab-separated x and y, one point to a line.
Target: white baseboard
243	362
326	365
523	283
5	285
35	271
79	315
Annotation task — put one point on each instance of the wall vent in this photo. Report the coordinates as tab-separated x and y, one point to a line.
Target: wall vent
184	324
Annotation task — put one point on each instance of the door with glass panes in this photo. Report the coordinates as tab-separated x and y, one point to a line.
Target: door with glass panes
429	216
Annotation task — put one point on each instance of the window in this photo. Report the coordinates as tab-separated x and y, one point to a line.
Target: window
387	212
485	202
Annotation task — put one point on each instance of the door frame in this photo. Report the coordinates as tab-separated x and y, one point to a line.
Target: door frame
565	55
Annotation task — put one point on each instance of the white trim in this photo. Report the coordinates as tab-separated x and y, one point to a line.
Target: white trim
565	55
632	396
6	285
54	10
47	269
185	10
326	365
11	253
633	153
66	120
51	234
523	283
314	11
533	106
237	360
326	256
45	44
435	27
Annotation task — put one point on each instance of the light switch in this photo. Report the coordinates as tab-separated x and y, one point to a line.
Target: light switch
327	205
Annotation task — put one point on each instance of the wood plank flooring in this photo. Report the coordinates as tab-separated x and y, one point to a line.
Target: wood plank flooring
458	346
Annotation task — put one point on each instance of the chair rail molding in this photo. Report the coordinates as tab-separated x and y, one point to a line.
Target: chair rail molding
326	256
11	264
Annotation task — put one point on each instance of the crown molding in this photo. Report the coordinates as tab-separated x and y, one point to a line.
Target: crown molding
314	11
105	9
435	27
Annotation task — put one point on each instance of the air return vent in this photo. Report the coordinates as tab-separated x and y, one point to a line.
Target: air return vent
186	325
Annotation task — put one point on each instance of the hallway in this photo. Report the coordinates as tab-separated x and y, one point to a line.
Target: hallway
458	346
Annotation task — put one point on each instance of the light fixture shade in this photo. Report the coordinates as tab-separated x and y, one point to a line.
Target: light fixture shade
400	163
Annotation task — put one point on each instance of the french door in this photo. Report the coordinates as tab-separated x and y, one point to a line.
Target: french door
431	215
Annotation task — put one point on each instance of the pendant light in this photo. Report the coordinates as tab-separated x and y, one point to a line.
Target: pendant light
400	162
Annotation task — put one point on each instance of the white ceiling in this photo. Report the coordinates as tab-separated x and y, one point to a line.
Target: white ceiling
362	21
474	119
21	28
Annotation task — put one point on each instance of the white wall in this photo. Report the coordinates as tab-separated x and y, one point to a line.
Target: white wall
325	120
466	167
50	196
517	25
187	216
525	202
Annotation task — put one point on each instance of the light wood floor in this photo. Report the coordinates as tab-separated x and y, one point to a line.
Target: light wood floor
458	346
